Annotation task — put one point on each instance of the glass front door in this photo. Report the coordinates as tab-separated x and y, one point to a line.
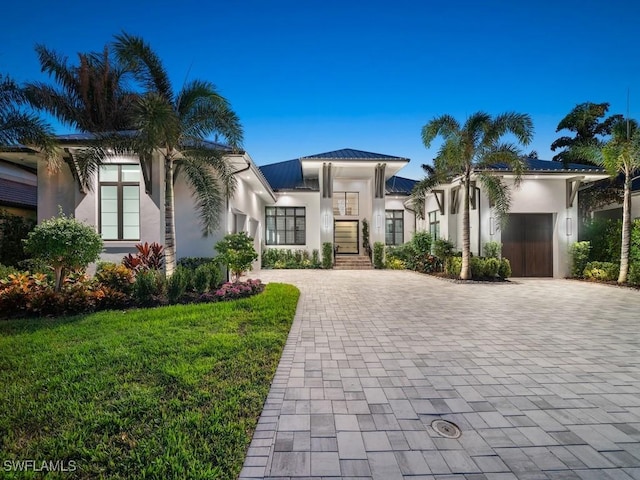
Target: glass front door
345	236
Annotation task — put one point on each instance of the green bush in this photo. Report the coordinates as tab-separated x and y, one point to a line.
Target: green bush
287	258
405	253
13	230
177	284
327	255
315	259
65	244
453	266
378	255
605	237
202	279
149	287
442	248
491	267
192	263
116	277
421	243
237	253
633	278
579	252
602	271
505	268
6	271
492	249
395	264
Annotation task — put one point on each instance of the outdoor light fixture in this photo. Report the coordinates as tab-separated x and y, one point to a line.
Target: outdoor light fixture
325	221
569	227
378	221
492	226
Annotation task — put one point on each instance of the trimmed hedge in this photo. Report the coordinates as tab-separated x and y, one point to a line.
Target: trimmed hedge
603	271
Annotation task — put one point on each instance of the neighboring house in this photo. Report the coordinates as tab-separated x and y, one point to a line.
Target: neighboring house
542	220
326	197
18	186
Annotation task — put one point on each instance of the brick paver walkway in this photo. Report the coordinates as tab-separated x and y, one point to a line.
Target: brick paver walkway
542	377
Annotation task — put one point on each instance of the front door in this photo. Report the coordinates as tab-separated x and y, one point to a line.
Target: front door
345	236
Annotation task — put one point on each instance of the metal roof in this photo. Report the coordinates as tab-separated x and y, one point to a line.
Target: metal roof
287	175
87	137
351	154
537	165
400	185
16	194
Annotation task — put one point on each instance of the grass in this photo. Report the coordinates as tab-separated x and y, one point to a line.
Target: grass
171	392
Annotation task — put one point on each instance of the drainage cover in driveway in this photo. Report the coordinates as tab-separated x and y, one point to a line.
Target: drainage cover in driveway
446	429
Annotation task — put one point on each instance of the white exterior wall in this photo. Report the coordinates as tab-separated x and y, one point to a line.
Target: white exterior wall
395	202
635	206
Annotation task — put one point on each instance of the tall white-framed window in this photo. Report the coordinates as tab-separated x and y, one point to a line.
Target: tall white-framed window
119	198
394	227
434	225
346	204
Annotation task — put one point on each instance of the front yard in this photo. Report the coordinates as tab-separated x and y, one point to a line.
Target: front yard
172	392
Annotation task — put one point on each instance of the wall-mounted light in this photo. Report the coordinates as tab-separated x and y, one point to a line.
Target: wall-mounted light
325	221
378	222
492	226
569	227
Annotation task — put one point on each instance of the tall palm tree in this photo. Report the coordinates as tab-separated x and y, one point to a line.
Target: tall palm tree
18	126
468	149
175	125
621	155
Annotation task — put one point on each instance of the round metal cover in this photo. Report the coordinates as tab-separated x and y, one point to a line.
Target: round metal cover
446	429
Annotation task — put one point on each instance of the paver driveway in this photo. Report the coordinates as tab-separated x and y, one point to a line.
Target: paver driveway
542	377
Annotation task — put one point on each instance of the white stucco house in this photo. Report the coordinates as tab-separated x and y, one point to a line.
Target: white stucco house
542	220
296	204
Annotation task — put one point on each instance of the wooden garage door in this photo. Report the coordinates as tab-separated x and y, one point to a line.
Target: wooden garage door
527	241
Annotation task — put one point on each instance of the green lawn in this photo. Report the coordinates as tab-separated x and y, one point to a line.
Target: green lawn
171	392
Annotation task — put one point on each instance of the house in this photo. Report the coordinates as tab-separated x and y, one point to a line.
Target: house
614	210
300	203
542	220
326	197
18	188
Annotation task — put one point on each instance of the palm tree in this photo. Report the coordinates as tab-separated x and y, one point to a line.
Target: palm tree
175	125
18	126
621	156
468	149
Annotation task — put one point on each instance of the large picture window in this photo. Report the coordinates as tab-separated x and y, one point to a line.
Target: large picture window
285	225
120	202
345	203
394	227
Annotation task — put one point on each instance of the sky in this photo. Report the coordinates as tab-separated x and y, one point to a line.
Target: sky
309	76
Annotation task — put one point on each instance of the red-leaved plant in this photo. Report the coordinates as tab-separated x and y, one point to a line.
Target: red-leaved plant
150	256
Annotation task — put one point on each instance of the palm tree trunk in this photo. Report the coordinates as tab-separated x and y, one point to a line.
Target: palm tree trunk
169	218
626	230
465	271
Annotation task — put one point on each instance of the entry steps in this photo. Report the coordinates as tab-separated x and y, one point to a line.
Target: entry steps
352	262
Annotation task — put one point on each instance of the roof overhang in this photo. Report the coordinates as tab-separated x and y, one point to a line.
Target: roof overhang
352	168
245	168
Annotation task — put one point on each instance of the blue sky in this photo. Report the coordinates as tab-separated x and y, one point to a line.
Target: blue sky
311	76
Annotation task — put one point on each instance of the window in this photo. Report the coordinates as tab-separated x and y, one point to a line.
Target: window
285	225
394	227
345	203
120	202
434	225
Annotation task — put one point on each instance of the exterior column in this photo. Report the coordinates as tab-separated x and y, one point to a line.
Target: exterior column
326	204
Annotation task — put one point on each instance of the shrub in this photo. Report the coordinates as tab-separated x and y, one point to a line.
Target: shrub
492	249
602	271
453	266
491	267
13	230
237	253
505	268
149	287
395	264
19	289
177	284
327	255
202	279
378	255
6	271
579	252
150	256
315	258
287	258
234	290
116	277
421	243
605	237
192	263
64	243
442	248
405	252
633	278
366	243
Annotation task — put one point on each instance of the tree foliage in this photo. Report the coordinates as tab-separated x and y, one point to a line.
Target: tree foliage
237	253
64	244
587	121
475	147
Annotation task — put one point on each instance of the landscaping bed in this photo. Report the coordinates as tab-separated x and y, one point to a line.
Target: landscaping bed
168	392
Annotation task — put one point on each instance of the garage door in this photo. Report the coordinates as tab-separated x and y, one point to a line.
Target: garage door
527	241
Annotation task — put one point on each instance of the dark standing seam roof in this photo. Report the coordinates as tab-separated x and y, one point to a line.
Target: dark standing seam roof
16	194
287	176
399	185
537	165
351	154
84	137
